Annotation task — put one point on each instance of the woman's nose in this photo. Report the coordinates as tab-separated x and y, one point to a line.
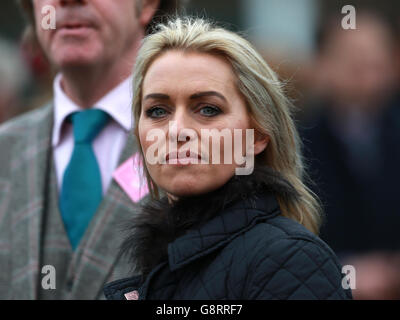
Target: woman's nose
181	128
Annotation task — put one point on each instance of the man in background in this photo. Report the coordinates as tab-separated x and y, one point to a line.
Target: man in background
352	149
60	208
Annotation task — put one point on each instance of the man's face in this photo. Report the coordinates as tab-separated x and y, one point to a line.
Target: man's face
358	65
89	32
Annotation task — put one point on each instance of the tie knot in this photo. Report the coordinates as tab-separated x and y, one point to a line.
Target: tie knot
87	124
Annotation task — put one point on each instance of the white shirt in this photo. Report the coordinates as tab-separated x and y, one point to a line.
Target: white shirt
110	141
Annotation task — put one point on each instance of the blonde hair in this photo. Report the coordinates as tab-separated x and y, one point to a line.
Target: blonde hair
268	106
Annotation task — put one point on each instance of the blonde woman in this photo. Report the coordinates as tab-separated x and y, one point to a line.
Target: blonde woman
230	217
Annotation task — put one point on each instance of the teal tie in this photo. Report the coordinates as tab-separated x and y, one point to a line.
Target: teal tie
81	190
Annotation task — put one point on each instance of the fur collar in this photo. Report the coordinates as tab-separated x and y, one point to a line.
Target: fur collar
159	223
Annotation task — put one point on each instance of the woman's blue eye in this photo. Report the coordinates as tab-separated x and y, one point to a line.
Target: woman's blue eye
209	111
156	112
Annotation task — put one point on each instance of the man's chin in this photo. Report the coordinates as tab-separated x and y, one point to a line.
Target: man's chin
76	59
70	64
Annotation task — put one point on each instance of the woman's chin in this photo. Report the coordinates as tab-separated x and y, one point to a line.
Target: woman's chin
179	191
186	187
191	188
191	181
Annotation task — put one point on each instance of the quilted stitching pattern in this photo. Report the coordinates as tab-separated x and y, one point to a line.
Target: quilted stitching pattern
293	269
245	254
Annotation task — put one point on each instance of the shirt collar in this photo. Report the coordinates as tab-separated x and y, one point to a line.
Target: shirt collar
117	103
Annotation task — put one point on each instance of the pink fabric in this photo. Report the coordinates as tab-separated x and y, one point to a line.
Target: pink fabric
133	295
131	178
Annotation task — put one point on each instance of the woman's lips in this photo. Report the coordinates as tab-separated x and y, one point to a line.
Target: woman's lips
182	158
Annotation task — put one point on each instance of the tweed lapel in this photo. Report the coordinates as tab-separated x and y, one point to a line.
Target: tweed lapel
97	260
29	167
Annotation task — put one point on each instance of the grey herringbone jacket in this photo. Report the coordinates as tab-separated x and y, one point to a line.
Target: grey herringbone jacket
25	167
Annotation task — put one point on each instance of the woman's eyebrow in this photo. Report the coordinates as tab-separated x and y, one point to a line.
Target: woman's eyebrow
196	95
207	93
157	96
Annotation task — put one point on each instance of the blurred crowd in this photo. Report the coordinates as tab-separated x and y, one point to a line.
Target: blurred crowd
349	121
25	78
351	132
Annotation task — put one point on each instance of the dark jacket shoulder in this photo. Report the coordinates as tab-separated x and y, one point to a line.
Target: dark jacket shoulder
231	244
290	262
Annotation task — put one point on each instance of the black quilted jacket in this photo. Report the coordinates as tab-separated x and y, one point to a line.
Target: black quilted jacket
230	244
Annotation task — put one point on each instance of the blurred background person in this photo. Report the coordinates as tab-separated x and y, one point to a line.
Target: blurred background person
13	80
25	62
352	145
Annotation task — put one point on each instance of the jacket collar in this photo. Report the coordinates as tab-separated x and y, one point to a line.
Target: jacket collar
220	230
197	225
197	242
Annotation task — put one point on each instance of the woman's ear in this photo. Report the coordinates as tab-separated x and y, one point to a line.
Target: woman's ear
260	143
149	8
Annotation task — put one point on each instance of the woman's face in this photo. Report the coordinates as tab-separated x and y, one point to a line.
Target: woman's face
185	95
